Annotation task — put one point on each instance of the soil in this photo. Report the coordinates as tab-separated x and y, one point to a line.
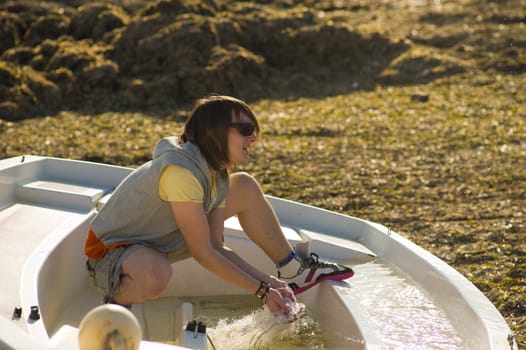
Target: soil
408	113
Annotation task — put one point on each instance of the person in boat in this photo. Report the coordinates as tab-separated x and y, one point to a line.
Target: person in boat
174	207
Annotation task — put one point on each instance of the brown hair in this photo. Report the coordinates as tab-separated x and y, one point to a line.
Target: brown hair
208	124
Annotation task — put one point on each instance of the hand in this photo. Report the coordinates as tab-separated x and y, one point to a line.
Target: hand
277	305
283	288
281	302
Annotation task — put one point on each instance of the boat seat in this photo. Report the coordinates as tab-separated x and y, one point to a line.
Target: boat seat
63	195
233	229
340	250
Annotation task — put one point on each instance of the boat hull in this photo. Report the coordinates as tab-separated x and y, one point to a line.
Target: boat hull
53	200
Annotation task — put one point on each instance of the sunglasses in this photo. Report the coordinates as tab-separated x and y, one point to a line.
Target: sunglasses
245	129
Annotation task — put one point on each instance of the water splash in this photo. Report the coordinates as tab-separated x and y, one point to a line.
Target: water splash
261	330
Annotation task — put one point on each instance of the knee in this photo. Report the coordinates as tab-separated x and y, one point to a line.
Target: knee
244	193
158	277
245	182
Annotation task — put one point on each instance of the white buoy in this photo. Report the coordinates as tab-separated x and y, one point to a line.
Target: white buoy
109	327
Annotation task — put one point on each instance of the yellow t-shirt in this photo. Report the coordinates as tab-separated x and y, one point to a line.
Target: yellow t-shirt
178	184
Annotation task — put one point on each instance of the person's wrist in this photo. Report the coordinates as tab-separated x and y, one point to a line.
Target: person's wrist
262	290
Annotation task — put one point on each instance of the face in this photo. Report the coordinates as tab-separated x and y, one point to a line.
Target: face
238	144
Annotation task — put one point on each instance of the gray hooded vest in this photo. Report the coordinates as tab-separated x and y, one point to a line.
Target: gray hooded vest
136	213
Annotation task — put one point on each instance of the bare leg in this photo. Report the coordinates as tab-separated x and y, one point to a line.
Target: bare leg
145	274
246	200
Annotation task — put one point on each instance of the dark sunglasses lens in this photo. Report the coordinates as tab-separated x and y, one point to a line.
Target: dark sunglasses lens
246	130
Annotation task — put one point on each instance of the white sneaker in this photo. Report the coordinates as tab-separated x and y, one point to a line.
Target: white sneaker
313	271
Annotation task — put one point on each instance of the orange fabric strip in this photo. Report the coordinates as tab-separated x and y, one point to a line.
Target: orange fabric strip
94	248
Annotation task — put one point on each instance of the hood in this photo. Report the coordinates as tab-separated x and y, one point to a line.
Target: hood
187	152
166	144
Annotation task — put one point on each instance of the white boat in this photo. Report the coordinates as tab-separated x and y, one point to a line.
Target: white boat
401	297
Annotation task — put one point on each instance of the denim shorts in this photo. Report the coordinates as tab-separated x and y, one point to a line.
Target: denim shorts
106	272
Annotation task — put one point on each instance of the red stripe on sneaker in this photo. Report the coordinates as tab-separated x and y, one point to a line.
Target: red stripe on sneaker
311	274
341	276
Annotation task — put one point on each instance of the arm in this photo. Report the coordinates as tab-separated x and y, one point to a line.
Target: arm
204	237
194	226
279	289
216	224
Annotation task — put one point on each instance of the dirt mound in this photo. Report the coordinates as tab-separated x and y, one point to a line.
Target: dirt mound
134	54
126	54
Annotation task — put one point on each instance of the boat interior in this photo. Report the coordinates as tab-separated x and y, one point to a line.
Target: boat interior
46	205
43	220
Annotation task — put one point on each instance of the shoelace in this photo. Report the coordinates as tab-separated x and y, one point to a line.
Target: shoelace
313	261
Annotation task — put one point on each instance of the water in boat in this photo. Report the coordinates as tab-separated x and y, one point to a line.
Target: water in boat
386	295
